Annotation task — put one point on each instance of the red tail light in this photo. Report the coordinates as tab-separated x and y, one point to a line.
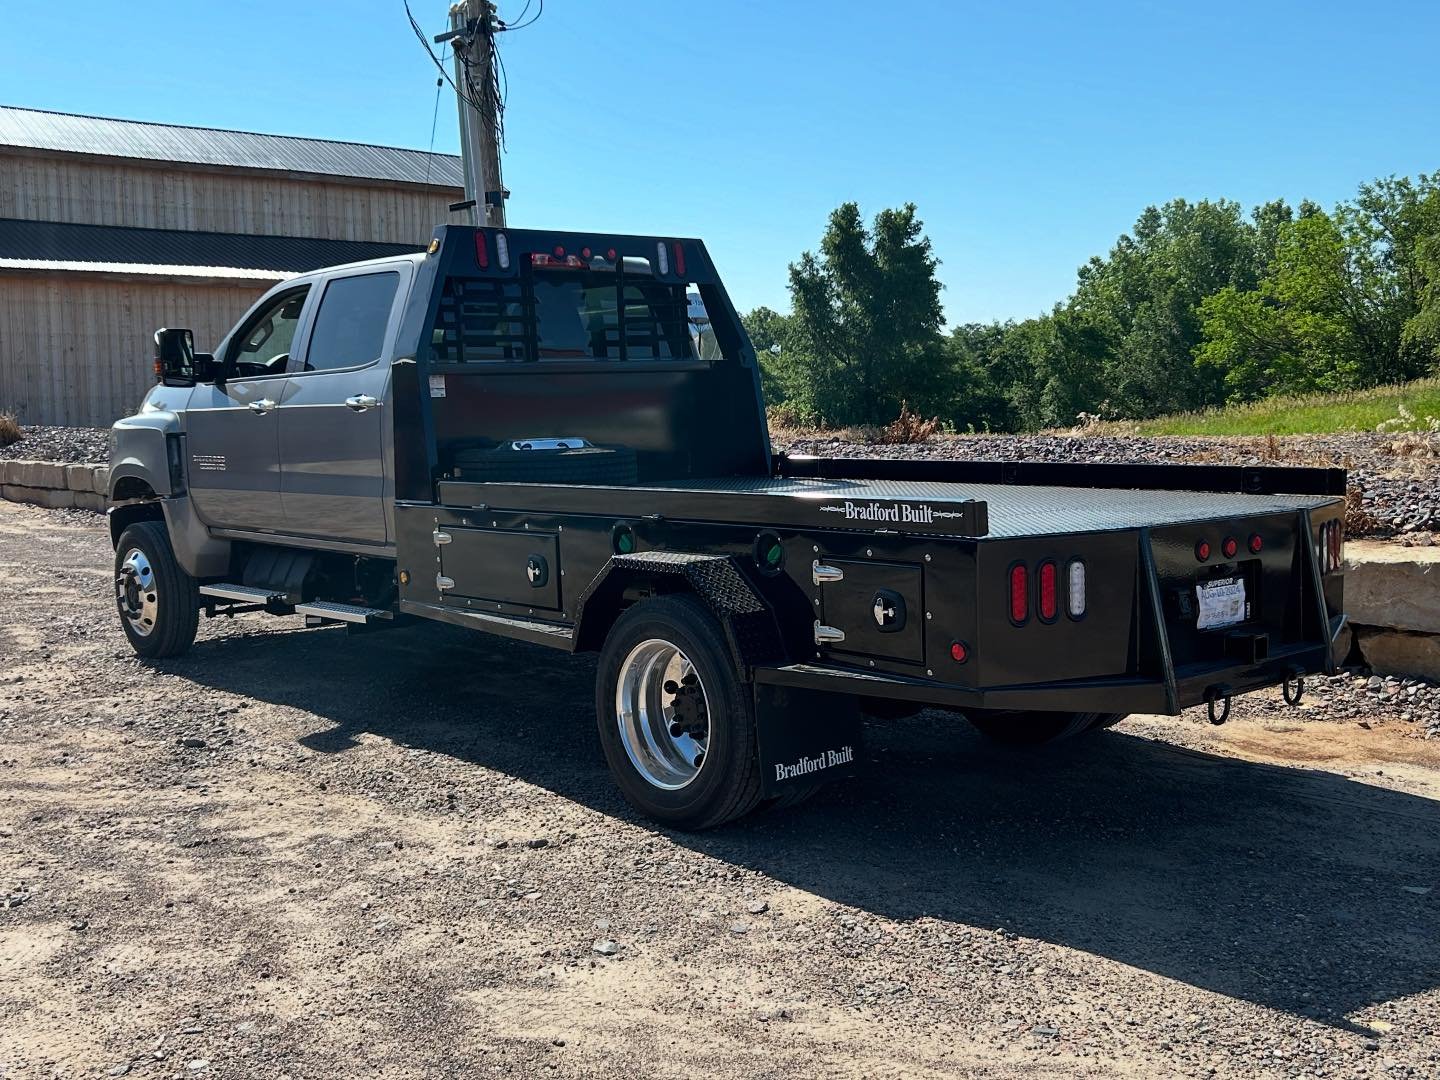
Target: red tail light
1202	550
958	652
482	250
1049	601
1257	544
1230	546
1019	594
679	259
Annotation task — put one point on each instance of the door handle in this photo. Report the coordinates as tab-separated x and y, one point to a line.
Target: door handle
361	402
264	405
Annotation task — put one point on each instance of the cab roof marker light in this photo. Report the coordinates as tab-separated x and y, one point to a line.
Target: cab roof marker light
482	250
679	259
662	257
502	251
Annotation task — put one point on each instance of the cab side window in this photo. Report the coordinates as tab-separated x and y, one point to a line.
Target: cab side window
263	346
350	325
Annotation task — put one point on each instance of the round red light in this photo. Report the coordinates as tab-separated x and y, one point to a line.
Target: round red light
1256	544
1202	550
1230	547
610	254
585	253
959	653
559	251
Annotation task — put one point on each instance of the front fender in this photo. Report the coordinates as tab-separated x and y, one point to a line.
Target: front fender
139	455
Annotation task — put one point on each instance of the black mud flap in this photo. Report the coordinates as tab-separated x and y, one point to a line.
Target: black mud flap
805	737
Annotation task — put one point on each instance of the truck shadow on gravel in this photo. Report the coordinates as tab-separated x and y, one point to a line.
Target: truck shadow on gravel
1295	889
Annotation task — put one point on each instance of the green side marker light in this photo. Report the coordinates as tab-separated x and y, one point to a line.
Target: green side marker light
774	554
624	540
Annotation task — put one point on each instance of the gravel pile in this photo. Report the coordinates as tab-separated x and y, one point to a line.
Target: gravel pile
1398	475
72	445
1357	696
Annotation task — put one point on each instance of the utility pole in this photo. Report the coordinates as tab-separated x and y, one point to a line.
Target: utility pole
472	40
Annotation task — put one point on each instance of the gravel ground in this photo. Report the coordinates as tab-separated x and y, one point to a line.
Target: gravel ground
1398	475
297	853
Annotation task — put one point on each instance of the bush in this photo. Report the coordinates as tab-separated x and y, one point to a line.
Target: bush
9	429
909	427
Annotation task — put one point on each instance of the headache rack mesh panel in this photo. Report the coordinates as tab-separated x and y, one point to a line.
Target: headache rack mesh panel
480	320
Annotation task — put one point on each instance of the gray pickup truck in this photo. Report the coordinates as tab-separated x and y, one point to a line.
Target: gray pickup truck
560	438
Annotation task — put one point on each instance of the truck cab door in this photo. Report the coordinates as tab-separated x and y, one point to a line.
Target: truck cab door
332	421
231	425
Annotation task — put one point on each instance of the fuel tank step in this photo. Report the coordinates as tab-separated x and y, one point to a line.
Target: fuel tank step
244	594
346	613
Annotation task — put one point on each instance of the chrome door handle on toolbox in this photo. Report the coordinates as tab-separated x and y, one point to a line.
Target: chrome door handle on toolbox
264	405
361	402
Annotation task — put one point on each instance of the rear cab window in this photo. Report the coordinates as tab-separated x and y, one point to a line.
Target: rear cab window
352	321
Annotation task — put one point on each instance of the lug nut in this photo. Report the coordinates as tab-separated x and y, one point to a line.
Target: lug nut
671	686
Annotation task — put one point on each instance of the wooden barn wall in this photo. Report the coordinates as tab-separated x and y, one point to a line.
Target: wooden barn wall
78	351
108	192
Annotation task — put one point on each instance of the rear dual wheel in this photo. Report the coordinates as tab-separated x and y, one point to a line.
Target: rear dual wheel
676	721
1028	728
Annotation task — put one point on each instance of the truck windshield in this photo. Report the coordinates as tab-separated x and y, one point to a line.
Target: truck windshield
570	314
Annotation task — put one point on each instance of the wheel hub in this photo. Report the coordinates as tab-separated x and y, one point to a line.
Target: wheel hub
136	593
663	714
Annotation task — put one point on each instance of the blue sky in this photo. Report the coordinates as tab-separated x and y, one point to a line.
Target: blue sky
1029	135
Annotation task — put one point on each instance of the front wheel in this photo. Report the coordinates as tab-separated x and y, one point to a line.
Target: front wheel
676	722
159	602
1027	728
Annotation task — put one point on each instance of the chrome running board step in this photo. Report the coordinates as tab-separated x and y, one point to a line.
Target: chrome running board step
346	613
244	594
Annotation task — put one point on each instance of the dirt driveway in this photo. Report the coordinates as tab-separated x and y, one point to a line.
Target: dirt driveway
297	853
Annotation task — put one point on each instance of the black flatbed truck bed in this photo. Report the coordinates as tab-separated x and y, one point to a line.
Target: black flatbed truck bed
575	458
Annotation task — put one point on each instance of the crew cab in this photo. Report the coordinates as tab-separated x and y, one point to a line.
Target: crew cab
560	437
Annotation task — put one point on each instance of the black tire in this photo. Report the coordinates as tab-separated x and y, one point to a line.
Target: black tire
583	465
172	599
1022	728
727	783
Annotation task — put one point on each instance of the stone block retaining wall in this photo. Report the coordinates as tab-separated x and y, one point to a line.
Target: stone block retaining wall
58	486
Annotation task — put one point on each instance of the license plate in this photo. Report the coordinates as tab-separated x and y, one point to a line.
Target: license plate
1222	602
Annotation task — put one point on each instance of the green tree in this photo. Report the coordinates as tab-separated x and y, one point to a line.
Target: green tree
864	335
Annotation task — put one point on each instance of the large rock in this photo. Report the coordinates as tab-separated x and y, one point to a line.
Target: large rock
101	480
80	477
31	474
21	494
1395	652
89	500
1390	585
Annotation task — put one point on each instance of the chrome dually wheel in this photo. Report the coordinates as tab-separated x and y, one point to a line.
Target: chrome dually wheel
137	592
663	714
159	603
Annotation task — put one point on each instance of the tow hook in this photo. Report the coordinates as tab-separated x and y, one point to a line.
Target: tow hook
1218	694
1293	688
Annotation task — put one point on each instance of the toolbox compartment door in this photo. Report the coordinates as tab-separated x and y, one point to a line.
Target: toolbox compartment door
508	567
881	608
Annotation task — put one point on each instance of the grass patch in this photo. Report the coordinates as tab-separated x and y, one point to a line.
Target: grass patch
1406	407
